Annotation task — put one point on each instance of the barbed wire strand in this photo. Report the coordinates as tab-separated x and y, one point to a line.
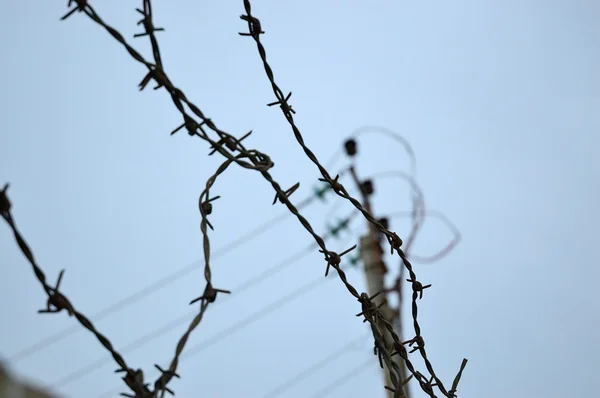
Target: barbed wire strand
57	301
210	293
335	207
248	320
255	30
266	274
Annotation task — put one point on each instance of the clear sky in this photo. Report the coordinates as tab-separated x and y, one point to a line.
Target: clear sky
499	100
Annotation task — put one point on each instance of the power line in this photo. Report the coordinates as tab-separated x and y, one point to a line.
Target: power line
314	367
345	378
396	137
176	275
266	274
155	286
247	321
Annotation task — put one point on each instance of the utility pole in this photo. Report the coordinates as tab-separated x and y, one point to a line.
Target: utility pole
11	387
375	269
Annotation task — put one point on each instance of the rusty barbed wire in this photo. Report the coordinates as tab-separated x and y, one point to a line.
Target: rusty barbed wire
58	302
210	293
255	30
226	145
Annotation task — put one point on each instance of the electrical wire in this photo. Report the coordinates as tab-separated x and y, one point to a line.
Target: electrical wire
145	339
247	321
334	159
404	176
396	137
342	380
157	285
297	378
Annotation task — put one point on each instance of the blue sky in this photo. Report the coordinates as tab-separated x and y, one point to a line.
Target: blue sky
499	101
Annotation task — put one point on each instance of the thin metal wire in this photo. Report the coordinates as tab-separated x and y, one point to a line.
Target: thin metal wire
343	380
394	136
315	367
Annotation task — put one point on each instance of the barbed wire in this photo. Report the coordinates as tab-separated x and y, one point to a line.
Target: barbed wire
252	318
266	274
226	145
57	301
255	31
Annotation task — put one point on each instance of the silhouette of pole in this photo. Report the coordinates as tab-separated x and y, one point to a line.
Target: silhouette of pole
375	269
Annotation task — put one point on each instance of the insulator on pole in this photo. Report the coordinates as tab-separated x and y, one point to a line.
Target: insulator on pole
367	187
350	146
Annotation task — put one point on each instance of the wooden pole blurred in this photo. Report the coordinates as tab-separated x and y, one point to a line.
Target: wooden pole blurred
12	387
375	269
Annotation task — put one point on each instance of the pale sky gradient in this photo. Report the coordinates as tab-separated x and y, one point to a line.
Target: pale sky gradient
500	101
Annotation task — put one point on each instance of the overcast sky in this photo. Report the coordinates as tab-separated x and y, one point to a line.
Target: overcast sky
499	100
